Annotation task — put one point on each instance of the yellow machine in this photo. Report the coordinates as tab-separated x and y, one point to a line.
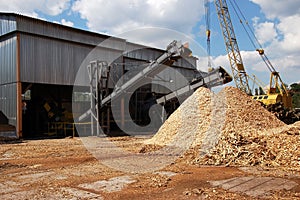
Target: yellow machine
275	93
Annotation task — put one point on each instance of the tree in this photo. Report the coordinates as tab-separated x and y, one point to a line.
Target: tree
295	87
295	91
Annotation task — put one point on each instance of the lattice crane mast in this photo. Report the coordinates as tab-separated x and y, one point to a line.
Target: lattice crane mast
238	70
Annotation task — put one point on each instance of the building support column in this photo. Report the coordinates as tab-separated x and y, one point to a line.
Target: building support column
19	92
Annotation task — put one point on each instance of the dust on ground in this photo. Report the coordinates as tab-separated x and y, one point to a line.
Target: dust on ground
65	169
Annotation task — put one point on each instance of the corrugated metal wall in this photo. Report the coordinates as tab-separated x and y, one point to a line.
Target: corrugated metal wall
8	102
8	86
46	60
8	60
43	60
7	24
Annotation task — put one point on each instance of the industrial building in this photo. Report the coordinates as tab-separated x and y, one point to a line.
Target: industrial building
39	61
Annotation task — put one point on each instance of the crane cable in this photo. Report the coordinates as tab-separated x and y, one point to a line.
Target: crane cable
260	50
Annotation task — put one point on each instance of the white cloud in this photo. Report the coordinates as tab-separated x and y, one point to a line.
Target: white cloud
284	31
289	27
64	22
278	8
30	7
158	37
67	23
115	17
54	7
265	32
202	63
222	61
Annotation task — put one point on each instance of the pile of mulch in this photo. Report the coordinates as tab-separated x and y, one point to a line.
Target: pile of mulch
229	128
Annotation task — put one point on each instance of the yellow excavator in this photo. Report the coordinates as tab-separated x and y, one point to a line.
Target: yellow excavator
275	92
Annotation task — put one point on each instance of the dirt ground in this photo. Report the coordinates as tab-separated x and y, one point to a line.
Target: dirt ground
65	169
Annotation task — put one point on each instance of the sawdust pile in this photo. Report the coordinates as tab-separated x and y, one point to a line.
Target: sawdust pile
231	129
192	117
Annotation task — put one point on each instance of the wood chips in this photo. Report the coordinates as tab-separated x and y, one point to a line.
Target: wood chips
229	128
190	119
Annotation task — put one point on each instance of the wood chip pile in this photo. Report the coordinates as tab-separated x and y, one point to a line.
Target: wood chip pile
273	148
232	129
192	117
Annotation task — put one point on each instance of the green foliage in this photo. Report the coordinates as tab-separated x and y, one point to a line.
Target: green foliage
295	87
295	90
296	100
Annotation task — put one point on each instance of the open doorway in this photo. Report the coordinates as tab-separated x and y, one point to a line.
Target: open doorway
43	104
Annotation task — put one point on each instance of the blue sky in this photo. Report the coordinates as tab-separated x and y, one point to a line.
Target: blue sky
158	22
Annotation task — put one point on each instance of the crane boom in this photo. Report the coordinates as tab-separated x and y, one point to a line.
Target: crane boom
234	55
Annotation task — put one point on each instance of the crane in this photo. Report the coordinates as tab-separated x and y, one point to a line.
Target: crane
274	93
235	59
